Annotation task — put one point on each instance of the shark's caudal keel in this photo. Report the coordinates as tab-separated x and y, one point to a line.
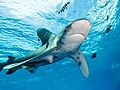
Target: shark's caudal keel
54	48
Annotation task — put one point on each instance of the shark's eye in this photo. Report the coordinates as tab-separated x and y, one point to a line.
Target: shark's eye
69	26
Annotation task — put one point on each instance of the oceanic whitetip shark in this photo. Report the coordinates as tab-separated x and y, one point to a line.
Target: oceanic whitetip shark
54	48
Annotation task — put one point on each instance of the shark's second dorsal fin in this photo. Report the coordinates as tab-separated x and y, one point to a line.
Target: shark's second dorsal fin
11	58
44	35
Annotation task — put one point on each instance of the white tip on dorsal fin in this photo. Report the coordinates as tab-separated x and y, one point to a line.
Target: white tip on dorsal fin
81	61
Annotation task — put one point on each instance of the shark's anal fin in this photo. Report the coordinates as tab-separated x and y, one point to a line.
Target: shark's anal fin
81	61
31	69
44	35
11	58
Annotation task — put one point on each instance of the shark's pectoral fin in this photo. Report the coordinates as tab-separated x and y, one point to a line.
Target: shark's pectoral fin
81	61
45	35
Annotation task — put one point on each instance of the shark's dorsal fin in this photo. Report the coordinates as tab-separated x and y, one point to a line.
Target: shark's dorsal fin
81	61
11	58
44	35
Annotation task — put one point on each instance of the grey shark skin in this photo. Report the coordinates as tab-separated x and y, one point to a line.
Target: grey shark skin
54	48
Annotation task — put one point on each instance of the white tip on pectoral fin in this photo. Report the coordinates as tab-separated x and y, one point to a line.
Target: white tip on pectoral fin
81	61
84	68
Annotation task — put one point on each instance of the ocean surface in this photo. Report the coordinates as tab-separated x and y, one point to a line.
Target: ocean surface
19	20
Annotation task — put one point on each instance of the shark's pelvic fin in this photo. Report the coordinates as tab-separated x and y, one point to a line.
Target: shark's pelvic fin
44	35
81	61
11	58
49	59
32	66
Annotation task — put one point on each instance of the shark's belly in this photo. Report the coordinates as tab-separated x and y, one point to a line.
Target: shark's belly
72	42
69	46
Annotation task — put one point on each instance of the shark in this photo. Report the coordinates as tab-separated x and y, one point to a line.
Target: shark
54	48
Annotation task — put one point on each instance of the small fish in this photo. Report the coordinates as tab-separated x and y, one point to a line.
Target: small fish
64	7
108	29
94	55
107	17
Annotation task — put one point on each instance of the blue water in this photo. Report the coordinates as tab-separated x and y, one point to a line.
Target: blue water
19	20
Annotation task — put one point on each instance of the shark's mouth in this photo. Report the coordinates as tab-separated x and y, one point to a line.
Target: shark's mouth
83	35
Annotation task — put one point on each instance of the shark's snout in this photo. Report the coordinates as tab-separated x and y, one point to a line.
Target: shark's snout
81	26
